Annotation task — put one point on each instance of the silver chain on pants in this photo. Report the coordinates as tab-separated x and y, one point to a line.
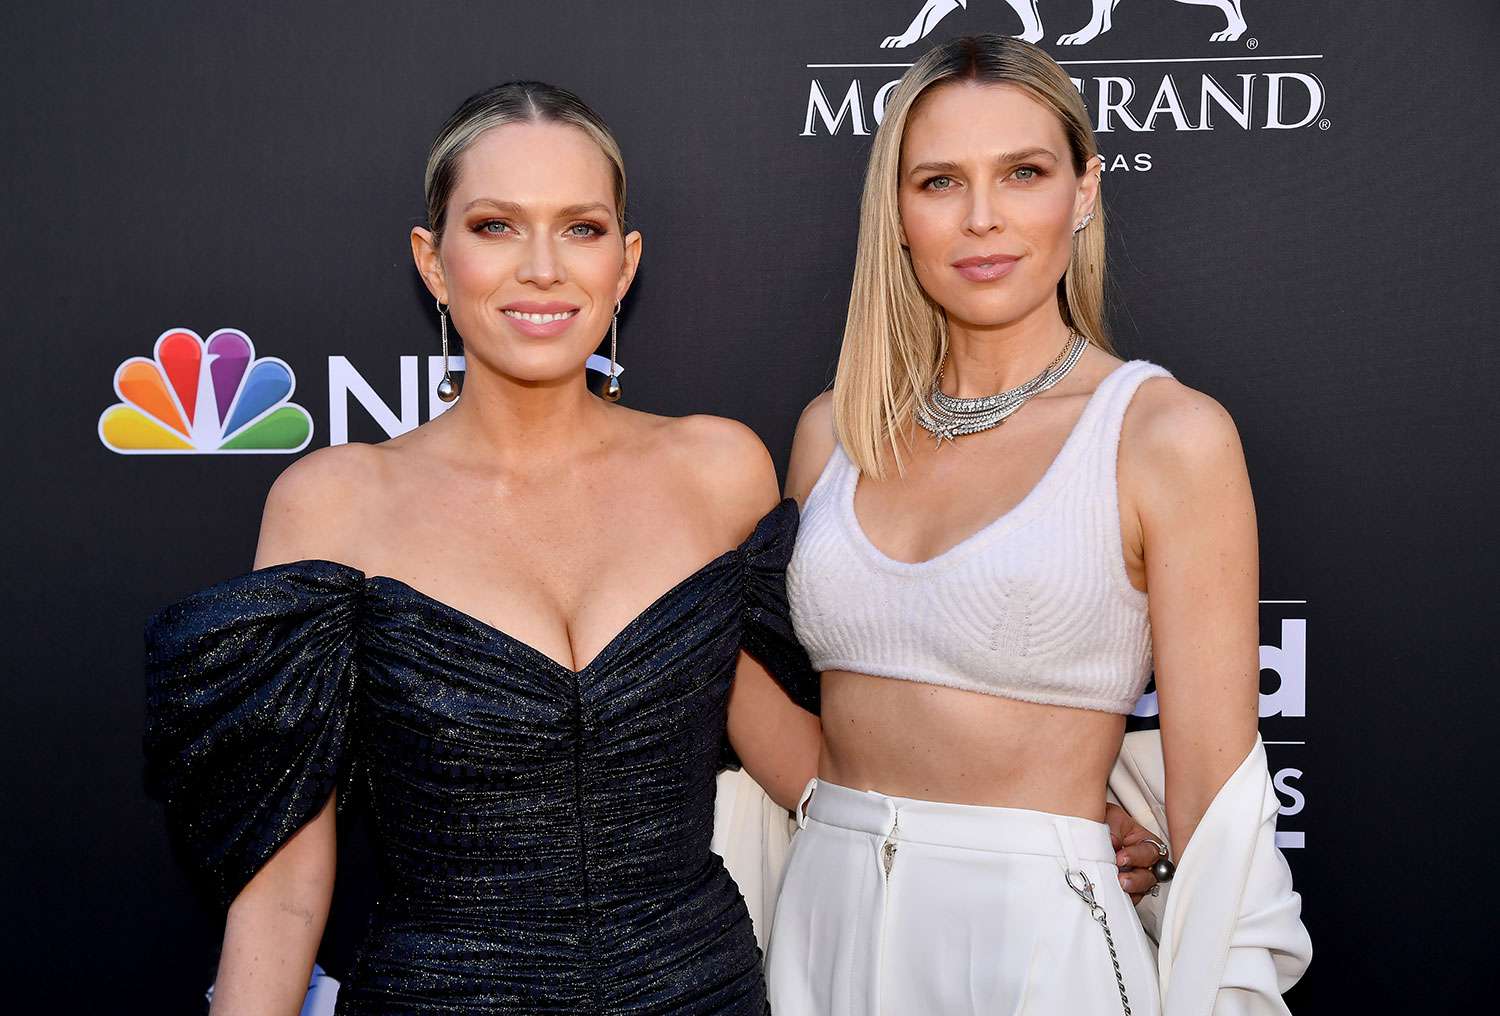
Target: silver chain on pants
1086	893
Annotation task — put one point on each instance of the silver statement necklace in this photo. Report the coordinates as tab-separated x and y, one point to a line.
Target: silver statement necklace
948	418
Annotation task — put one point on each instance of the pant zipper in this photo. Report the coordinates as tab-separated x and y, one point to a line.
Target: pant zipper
888	849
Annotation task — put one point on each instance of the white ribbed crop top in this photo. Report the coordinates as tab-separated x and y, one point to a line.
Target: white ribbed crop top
1035	606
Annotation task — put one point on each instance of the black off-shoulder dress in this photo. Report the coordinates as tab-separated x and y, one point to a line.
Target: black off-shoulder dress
544	833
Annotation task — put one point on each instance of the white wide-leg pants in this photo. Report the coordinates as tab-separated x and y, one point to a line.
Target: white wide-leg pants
898	907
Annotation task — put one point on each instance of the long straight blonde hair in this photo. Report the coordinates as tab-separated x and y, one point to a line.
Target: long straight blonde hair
896	337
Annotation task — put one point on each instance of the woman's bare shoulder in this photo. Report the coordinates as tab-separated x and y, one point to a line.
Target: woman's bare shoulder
1176	438
1169	421
316	506
732	463
812	445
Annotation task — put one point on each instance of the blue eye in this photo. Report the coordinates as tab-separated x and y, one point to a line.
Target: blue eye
588	230
1030	173
939	183
494	227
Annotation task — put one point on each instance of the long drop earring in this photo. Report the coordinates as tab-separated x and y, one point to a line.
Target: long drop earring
612	386
447	390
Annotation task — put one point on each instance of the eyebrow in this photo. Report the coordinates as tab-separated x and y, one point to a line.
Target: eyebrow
1003	158
511	208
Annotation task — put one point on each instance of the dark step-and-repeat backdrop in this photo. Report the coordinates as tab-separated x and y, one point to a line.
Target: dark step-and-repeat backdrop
1303	217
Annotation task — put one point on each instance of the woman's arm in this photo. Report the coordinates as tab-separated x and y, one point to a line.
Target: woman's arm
1198	540
776	740
275	924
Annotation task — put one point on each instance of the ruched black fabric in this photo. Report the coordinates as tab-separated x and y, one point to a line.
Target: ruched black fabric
544	833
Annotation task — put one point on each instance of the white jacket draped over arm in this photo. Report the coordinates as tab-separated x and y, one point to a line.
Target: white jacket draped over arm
1228	926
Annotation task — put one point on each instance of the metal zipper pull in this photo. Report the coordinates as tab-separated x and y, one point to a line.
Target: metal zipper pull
888	848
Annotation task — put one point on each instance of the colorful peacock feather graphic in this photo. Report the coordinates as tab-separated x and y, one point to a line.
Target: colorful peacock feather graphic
201	396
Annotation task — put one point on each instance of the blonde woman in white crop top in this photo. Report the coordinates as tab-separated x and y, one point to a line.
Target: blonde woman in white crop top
986	610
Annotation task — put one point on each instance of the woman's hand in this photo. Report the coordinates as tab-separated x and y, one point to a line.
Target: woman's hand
1135	851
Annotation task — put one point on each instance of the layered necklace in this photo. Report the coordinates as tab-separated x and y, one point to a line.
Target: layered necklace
947	418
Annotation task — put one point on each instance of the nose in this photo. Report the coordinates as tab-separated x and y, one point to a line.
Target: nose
983	214
540	265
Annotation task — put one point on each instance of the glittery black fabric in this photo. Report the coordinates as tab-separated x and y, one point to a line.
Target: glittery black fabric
544	833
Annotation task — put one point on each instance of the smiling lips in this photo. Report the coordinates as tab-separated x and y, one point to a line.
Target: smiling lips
541	320
986	267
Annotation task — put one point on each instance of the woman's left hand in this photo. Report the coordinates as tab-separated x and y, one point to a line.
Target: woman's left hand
1135	852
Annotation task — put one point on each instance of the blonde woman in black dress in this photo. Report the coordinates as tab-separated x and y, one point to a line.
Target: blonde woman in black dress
515	635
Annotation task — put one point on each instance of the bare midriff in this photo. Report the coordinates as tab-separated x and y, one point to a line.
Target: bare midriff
929	742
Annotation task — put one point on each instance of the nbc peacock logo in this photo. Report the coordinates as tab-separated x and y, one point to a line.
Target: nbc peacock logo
204	397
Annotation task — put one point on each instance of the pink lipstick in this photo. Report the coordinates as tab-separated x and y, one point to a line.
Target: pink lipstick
540	319
986	267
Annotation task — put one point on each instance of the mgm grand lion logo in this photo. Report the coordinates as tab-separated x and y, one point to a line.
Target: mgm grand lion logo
934	11
1155	93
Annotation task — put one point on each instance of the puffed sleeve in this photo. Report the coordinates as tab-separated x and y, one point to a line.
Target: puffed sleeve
249	694
766	621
